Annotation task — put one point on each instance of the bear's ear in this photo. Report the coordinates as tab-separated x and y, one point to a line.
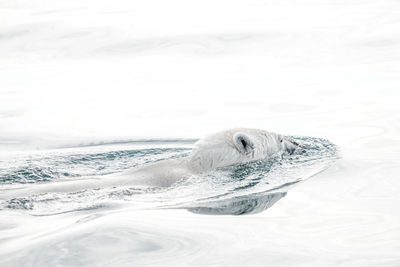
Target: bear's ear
243	143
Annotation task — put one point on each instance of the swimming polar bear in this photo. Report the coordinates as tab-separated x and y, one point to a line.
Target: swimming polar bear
222	149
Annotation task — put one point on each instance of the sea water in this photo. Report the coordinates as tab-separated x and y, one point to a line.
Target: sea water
82	81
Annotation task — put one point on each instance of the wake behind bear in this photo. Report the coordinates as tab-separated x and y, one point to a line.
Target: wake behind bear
222	149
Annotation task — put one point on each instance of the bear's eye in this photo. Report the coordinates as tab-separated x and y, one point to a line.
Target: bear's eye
281	140
243	143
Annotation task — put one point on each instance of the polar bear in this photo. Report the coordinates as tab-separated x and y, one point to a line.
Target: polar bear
221	149
225	148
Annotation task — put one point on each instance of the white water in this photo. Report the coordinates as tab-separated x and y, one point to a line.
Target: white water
81	72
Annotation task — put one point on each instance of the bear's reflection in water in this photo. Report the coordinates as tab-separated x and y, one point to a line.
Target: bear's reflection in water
239	205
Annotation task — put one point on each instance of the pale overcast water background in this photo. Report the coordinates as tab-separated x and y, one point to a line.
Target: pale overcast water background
82	81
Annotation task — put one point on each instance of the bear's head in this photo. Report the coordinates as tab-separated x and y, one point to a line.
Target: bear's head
237	146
